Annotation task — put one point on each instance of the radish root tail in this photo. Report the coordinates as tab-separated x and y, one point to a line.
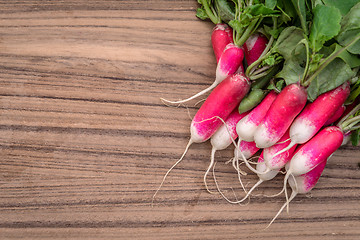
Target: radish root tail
192	97
172	167
293	194
212	161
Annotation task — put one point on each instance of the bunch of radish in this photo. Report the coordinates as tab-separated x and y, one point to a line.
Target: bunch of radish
286	89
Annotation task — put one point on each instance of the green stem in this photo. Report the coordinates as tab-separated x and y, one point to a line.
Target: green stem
306	43
260	70
249	30
261	83
328	60
264	54
215	19
342	121
356	127
350	123
254	64
260	75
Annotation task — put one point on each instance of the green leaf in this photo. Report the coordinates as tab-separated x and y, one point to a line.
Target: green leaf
355	137
332	76
225	10
287	41
278	86
326	25
344	6
294	65
201	13
350	28
300	8
351	59
236	25
270	3
260	10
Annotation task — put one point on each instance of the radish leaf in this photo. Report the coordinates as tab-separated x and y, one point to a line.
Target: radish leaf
350	28
334	74
326	25
300	8
344	5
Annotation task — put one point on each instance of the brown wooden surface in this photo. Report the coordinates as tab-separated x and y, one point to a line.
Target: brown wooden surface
85	140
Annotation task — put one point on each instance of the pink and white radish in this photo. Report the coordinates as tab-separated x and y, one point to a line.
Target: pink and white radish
221	36
229	63
218	105
315	115
223	137
270	162
254	47
287	105
314	152
302	184
336	116
247	126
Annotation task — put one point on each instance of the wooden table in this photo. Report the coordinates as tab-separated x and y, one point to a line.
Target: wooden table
85	139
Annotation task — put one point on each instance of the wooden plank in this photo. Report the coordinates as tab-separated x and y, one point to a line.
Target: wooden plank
85	139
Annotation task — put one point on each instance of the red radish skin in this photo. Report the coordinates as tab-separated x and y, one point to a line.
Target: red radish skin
219	104
302	184
336	116
247	148
287	105
247	126
226	134
280	160
315	115
221	36
254	47
223	137
317	150
272	163
229	63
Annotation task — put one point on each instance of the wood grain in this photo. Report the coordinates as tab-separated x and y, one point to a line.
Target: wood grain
85	140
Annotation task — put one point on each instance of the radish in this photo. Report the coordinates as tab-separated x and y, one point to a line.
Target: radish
229	63
219	104
336	116
246	127
248	149
302	184
287	105
223	137
279	161
315	114
315	151
221	36
272	163
254	47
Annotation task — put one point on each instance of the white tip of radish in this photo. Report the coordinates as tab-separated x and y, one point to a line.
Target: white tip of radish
301	130
264	173
246	129
262	139
196	137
